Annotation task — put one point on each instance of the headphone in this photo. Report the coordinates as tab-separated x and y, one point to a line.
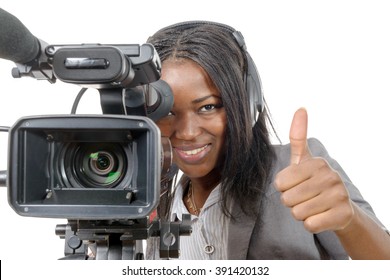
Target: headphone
251	76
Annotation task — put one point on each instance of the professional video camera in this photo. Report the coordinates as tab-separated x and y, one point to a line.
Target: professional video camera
103	173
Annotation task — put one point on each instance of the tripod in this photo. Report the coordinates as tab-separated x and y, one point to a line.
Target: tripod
120	239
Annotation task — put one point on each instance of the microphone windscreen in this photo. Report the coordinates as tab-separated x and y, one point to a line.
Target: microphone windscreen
16	41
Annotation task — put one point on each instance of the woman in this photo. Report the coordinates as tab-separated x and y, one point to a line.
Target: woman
247	198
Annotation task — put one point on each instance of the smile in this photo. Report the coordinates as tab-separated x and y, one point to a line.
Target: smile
192	155
194	152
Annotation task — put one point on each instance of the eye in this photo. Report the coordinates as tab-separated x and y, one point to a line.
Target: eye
206	108
210	107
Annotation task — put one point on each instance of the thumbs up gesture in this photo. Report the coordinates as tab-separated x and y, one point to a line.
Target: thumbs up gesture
313	191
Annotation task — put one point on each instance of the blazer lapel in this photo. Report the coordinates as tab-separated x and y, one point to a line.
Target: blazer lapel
239	235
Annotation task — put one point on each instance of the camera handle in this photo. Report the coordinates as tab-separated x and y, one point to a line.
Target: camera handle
119	101
120	240
112	101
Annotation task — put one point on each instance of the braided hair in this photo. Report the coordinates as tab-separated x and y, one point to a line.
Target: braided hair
249	155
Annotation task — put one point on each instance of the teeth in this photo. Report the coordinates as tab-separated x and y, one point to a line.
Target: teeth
195	151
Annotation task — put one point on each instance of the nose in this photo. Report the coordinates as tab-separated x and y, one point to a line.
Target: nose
187	127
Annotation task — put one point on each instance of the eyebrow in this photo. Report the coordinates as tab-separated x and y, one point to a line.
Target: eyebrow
199	100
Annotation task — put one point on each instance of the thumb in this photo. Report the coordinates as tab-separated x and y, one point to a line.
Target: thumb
298	137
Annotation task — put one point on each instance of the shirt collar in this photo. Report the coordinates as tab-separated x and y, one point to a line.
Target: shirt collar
178	207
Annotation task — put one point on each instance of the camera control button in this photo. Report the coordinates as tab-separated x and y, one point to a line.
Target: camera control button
74	242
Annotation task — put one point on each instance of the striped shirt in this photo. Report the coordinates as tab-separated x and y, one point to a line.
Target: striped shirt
208	240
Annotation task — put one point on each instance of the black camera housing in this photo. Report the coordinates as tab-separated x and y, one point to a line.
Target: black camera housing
103	173
58	165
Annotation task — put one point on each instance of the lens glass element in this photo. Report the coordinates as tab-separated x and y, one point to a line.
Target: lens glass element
100	165
95	165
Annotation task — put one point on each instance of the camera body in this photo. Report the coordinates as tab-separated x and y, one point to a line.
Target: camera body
84	167
103	173
93	167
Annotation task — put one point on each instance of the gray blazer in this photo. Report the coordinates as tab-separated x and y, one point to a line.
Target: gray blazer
275	234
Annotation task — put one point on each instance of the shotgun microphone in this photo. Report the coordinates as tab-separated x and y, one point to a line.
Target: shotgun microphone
16	41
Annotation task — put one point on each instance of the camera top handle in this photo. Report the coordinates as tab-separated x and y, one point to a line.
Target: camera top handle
114	70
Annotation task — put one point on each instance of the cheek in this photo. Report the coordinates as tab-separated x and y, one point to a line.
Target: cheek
165	128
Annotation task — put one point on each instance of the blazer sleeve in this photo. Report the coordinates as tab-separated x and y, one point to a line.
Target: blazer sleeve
328	239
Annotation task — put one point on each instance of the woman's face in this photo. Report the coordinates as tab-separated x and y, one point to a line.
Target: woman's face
197	123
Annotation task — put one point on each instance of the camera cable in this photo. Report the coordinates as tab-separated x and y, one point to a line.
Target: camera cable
77	100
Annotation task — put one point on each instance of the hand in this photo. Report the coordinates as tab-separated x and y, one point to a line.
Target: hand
310	187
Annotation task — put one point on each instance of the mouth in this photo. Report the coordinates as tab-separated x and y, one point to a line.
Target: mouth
192	154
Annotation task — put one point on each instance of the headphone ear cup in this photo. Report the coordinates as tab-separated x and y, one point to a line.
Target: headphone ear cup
252	81
254	89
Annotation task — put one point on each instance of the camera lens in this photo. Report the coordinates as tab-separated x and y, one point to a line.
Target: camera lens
95	165
102	163
100	166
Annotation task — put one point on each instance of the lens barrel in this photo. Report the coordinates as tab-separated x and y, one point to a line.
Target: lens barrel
93	165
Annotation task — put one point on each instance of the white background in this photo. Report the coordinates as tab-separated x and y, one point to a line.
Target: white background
332	57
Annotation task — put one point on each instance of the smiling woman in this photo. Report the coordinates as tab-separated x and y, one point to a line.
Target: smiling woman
338	69
242	192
